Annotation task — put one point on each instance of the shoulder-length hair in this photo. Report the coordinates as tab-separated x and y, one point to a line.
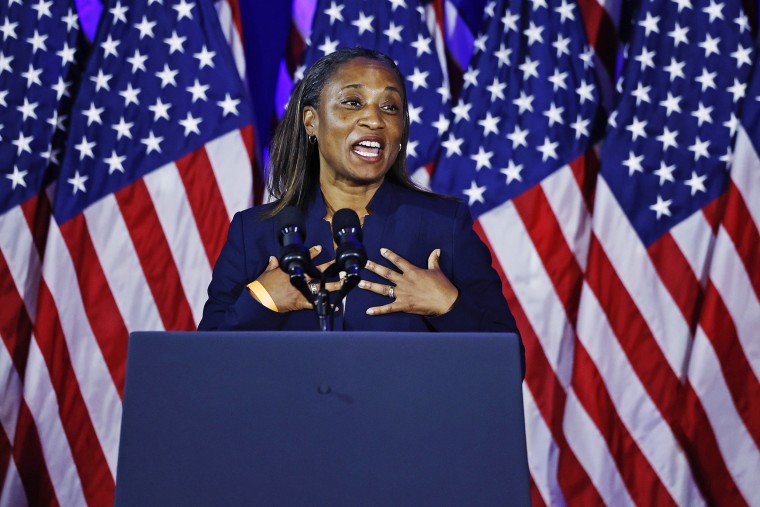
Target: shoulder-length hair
294	162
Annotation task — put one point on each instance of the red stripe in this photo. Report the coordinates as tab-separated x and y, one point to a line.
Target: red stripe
99	304
601	32
294	49
97	482
205	200
739	225
15	324
536	500
585	170
155	256
38	211
744	387
5	456
548	394
236	18
30	462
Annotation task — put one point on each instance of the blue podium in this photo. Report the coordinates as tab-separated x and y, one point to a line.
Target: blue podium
312	418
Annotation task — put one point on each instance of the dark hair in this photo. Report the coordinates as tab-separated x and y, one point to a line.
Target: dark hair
293	161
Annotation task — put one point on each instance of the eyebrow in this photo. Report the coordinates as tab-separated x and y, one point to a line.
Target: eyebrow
358	85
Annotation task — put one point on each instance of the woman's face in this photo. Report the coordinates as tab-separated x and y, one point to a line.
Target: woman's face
358	123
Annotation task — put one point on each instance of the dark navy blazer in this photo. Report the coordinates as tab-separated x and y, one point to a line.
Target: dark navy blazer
412	224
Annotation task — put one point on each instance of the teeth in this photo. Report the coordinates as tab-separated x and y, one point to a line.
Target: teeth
370	144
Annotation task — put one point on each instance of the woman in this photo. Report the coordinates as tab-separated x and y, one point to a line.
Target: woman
342	144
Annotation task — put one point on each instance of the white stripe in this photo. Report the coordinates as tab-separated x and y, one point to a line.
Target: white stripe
526	273
20	252
10	393
591	450
121	266
695	238
634	267
733	284
745	173
739	451
177	221
566	201
232	36
543	453
12	492
431	20
41	399
231	164
653	436
95	381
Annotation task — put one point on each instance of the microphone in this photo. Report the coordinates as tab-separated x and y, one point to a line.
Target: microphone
295	259
350	255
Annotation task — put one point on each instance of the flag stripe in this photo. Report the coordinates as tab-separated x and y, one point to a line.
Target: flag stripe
544	487
737	222
15	324
236	185
12	492
155	256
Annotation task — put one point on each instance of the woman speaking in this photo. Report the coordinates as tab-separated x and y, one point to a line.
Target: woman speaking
342	144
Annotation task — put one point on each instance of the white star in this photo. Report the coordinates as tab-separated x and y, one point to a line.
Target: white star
533	33
743	23
17	178
119	12
696	183
198	90
707	79
512	171
480	42
482	158
710	45
474	193
160	110
497	89
682	4
742	56
411	148
641	93
470	77
37	41
732	124
539	3
554	114
32	76
668	138
206	57
699	148
529	67
558	80
138	61
452	145
548	149
503	55
130	95
566	11
101	81
442	124
580	126
637	128
145	27
461	111
77	182
675	69
650	24
115	162
562	45
633	163
123	129
679	35
524	102
510	21
175	43
23	143
661	207
184	10
490	9
715	11
585	92
397	3
422	45
490	124
3	94
728	158
109	47
646	58
587	57
167	76
191	124
8	29
335	12
418	78
152	143
393	33
671	104
27	110
665	172
71	20
85	148
229	105
703	114
364	23
43	9
61	88
93	114
5	63
518	137
67	54
444	91
414	114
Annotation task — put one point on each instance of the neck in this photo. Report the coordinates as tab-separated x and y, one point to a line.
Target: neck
339	195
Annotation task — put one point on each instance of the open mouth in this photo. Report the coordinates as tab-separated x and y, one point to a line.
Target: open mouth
368	149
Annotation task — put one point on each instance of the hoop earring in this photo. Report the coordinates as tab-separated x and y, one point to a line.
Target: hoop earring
312	139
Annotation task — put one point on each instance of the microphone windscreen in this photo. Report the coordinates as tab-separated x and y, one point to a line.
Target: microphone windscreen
344	219
289	217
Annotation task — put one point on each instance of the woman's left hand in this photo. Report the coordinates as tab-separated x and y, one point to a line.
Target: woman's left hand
415	290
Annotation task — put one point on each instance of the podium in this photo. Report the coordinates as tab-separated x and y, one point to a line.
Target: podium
314	418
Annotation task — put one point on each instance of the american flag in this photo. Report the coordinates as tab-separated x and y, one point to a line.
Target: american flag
157	160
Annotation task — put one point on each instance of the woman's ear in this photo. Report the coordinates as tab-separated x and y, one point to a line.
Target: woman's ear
310	120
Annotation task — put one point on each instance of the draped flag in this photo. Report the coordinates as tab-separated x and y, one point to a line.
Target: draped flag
158	159
663	369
